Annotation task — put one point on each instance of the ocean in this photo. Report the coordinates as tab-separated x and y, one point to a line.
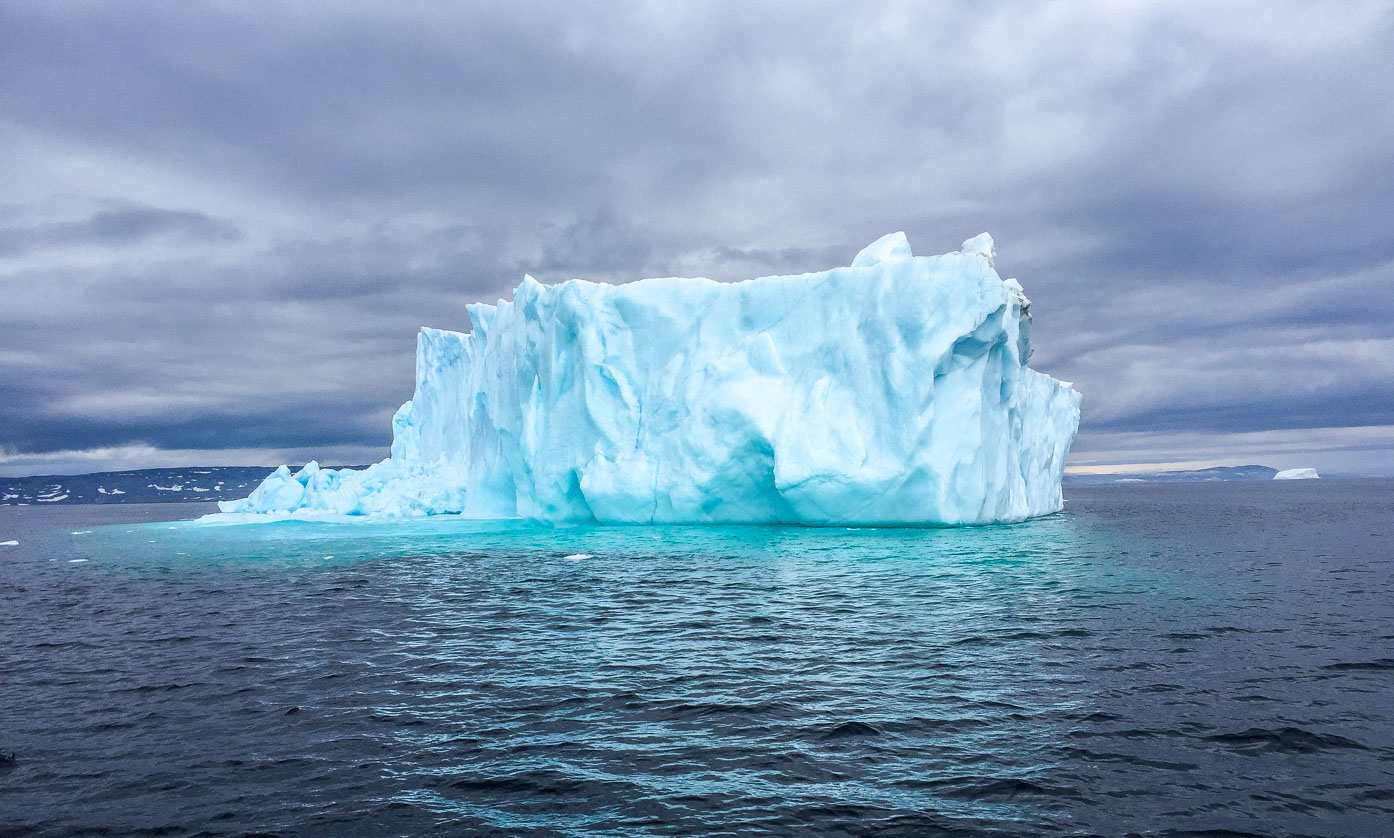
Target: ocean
1159	659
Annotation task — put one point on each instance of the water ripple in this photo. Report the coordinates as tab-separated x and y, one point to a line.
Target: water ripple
1140	665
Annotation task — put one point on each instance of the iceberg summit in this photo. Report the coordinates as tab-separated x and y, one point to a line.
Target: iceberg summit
891	392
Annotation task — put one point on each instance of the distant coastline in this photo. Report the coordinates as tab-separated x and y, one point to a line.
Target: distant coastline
211	483
1254	473
149	485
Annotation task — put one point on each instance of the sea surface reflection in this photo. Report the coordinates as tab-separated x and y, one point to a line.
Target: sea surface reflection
1158	659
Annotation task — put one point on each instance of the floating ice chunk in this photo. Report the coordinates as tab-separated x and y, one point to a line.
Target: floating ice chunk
1297	474
576	557
892	392
9	543
279	492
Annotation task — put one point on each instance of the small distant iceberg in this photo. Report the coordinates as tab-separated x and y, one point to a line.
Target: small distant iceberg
1297	474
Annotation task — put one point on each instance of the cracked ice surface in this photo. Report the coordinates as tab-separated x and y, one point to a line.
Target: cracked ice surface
893	391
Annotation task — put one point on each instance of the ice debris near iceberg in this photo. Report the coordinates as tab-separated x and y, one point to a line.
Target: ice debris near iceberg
891	392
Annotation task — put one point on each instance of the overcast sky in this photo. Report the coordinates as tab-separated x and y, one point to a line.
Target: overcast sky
222	223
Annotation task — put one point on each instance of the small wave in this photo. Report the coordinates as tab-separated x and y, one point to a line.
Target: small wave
1362	666
1096	716
1128	759
154	688
1293	740
1127	733
541	782
921	725
977	640
105	726
973	788
722	708
1376	794
1212	833
851	729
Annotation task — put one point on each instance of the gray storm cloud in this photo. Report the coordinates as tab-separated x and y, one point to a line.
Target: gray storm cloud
221	226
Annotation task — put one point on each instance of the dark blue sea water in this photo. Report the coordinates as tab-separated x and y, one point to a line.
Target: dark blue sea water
1157	660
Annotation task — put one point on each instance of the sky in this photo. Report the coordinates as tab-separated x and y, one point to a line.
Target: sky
221	224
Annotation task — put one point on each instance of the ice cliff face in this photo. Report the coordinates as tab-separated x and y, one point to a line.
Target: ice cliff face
893	391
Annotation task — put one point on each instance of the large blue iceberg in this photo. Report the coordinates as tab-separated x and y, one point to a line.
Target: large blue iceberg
891	392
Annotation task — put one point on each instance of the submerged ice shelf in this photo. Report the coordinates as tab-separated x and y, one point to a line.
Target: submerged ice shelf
891	392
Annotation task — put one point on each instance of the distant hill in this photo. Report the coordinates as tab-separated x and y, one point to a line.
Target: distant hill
1204	475
149	485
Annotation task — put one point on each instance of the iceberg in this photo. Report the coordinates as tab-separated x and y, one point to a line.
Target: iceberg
894	391
1297	474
